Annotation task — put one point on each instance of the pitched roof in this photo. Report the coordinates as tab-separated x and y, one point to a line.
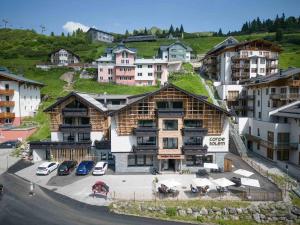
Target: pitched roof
166	47
230	41
84	97
198	97
291	110
223	48
17	78
282	74
118	48
94	29
140	38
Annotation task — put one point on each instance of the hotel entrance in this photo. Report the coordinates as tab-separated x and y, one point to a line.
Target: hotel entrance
171	163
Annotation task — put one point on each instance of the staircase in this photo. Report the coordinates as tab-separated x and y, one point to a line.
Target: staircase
236	144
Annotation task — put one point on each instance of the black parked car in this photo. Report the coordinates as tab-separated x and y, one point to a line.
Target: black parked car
66	167
10	144
237	181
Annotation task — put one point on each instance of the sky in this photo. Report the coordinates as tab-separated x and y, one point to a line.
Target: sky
118	15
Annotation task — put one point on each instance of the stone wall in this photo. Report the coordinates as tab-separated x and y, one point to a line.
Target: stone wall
272	212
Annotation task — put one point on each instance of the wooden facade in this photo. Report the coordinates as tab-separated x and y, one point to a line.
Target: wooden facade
193	109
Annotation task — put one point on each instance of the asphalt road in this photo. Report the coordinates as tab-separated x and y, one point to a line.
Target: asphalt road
17	207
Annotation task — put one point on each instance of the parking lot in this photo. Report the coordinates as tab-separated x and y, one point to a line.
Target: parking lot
136	186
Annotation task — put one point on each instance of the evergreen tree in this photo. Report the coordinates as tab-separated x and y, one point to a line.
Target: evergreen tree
145	31
220	33
171	30
126	33
177	32
135	32
181	29
52	34
62	34
279	35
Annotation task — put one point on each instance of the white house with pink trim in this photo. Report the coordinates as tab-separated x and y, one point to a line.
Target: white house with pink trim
121	66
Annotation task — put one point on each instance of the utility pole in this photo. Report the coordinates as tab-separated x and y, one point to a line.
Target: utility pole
5	22
43	28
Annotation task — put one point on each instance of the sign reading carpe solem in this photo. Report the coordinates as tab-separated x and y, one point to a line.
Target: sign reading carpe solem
217	141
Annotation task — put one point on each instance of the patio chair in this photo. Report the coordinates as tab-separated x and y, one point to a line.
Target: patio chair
194	189
201	172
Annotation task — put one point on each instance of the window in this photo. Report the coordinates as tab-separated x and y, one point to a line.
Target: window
283	90
7	98
149	83
84	137
8	109
262	61
139	66
253	70
267	91
193	123
140	74
149	66
68	137
258	146
253	61
273	90
258	132
146	140
258	92
170	125
143	108
259	115
150	74
283	138
258	103
103	156
110	71
146	123
170	143
158	68
250	130
140	160
192	160
173	56
283	155
268	103
7	86
193	141
262	70
100	69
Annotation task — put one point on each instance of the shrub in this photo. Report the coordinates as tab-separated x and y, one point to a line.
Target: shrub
171	211
200	219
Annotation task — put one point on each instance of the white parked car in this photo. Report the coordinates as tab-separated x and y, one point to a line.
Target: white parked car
46	168
100	168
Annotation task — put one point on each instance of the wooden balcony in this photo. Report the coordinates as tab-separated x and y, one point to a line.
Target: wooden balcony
294	96
6	92
145	131
75	112
7	103
294	83
106	144
166	113
75	128
7	115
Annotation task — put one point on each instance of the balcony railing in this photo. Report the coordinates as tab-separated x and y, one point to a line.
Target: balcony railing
7	103
145	148
145	131
74	128
6	92
170	113
194	149
294	83
75	112
272	145
60	144
192	131
103	144
7	115
285	96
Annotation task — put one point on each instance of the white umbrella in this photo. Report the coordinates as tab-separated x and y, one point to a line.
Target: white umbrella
211	166
250	182
170	183
202	182
223	182
244	173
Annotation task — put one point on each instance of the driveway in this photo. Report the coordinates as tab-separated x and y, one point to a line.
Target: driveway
137	186
6	160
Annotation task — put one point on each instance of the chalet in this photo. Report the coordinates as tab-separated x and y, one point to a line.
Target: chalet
170	129
63	57
176	51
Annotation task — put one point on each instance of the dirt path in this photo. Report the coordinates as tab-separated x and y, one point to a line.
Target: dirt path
69	78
